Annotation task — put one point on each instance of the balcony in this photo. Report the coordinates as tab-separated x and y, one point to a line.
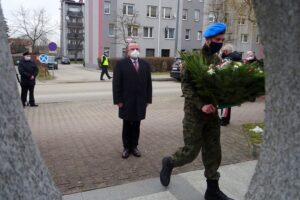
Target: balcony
75	14
75	36
75	47
75	24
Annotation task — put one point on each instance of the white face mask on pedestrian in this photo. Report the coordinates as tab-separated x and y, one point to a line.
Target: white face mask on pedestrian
135	54
27	58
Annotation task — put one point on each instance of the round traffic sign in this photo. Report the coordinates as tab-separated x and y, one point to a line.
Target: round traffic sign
52	46
43	58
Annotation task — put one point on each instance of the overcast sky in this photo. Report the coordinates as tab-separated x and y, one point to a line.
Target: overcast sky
51	6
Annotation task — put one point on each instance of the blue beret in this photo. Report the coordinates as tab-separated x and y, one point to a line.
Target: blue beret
214	30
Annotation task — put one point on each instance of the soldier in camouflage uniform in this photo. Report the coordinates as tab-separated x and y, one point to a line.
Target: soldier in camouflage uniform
201	124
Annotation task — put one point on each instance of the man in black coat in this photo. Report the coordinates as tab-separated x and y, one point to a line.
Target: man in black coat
132	92
28	71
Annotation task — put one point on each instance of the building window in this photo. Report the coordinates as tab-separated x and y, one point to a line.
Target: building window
229	37
152	11
128	9
244	38
211	16
241	20
107	7
257	39
150	52
199	35
148	32
226	18
185	14
111	31
189	0
106	49
133	31
165	53
124	52
167	13
187	34
197	15
169	33
201	1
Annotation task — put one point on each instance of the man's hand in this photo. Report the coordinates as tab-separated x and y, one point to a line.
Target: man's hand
120	105
32	78
208	109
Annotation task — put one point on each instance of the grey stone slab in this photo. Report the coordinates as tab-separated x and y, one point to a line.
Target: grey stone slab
157	196
234	180
77	196
187	186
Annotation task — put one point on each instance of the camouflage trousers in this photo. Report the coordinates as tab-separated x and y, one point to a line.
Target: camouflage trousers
200	133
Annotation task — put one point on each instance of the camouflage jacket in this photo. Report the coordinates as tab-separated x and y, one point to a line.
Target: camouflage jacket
187	85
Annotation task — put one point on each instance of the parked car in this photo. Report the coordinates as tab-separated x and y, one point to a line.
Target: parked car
52	63
65	60
176	69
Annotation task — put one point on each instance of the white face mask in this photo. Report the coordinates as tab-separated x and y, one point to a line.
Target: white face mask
27	57
135	54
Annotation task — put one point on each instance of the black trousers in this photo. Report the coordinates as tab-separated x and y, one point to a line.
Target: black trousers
24	92
131	134
226	115
104	71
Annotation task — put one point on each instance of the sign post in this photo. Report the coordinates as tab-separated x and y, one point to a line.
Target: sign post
52	46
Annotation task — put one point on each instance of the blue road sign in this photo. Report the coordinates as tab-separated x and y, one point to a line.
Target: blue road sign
52	46
43	58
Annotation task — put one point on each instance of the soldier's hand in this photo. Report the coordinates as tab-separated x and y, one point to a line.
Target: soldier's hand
208	109
120	105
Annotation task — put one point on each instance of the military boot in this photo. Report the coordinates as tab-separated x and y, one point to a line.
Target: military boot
213	191
166	171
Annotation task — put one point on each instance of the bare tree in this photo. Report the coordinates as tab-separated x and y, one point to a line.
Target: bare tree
221	8
32	24
23	173
127	28
277	175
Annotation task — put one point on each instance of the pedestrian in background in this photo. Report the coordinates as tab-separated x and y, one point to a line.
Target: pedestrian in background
228	54
104	66
250	57
132	92
28	71
201	124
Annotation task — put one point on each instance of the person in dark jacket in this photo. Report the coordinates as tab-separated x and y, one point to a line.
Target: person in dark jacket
228	55
132	92
28	72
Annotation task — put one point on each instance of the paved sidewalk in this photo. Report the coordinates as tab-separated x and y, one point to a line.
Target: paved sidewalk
234	182
76	73
81	141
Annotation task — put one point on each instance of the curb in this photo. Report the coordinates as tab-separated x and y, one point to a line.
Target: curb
95	81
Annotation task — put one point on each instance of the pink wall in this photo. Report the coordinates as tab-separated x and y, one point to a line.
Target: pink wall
100	10
90	39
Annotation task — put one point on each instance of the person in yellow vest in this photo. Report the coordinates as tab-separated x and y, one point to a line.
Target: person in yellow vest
104	66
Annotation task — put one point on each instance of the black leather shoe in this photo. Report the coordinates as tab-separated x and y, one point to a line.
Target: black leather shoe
213	191
216	195
224	123
125	153
34	105
136	152
166	171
